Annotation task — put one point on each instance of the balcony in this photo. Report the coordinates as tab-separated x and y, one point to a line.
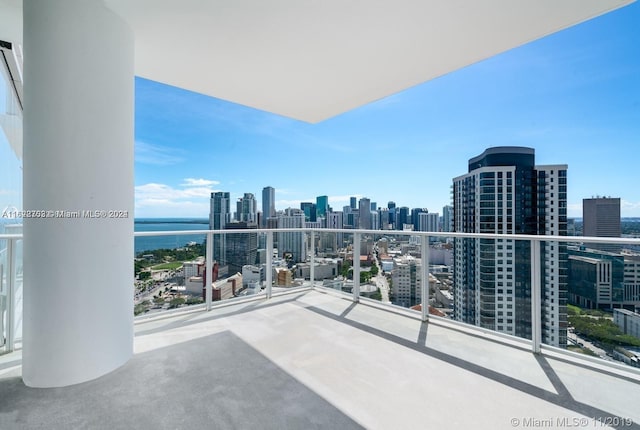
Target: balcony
315	357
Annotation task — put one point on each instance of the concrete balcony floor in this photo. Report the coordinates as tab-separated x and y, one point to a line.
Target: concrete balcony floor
312	359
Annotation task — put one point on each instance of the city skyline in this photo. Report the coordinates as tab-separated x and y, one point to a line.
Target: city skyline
572	96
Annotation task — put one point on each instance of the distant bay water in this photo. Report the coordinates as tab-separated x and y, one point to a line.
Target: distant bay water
168	224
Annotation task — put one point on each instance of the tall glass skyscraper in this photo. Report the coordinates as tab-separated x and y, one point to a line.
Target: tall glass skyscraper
268	204
310	211
241	248
447	218
364	206
246	208
505	192
219	217
322	206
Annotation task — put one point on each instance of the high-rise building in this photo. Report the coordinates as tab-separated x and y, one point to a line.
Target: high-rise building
292	244
242	248
447	218
428	221
504	192
268	204
219	216
322	206
353	202
402	217
246	208
383	217
601	218
406	282
392	212
415	217
335	220
375	220
364	209
310	211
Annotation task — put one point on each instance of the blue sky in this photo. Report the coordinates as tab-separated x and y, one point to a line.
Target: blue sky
573	96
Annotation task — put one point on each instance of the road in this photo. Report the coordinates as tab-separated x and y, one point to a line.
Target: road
381	282
383	285
587	344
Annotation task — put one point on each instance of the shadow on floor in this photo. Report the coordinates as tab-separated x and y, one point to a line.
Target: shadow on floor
215	382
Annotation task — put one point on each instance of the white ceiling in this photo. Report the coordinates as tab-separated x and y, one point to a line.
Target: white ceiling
313	59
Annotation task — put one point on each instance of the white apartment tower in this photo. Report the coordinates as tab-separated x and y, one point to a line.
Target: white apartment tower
292	243
406	281
428	221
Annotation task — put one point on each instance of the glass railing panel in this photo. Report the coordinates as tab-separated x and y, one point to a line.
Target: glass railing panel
18	289
487	282
290	263
383	256
11	281
4	292
326	260
168	272
303	270
333	260
171	272
591	295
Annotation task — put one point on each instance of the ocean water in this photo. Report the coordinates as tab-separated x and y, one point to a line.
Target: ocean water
168	224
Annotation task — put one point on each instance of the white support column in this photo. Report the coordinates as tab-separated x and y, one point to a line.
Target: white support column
424	281
356	267
208	276
269	268
536	311
312	268
78	156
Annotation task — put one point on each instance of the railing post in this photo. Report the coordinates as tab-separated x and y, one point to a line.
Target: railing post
11	311
424	284
356	267
312	269
536	312
269	268
209	271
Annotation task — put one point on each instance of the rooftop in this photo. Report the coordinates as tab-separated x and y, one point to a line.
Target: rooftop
311	358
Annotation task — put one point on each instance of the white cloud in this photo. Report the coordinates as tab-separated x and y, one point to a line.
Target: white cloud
191	198
629	209
148	153
625	204
200	182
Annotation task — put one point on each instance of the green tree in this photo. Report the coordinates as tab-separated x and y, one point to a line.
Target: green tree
365	276
345	270
178	301
141	308
194	300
